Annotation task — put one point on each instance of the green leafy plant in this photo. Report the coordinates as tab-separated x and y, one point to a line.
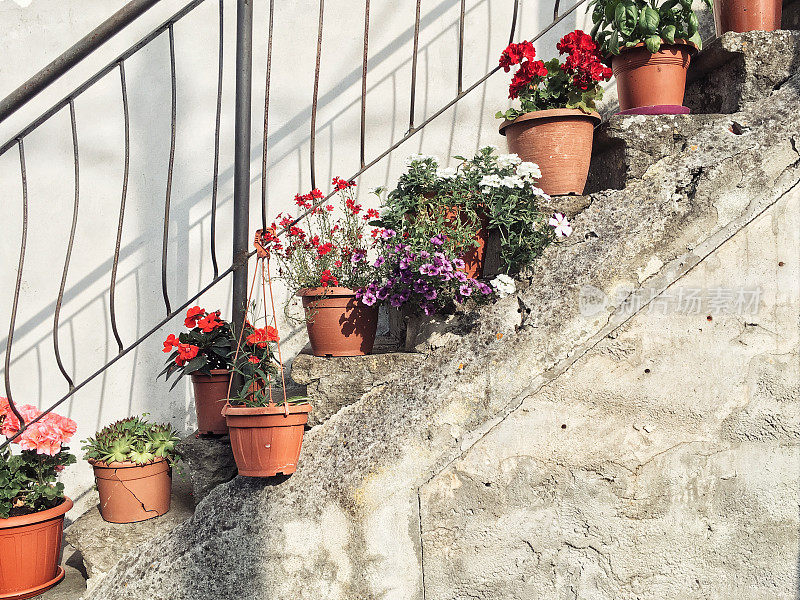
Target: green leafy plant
620	24
134	440
538	85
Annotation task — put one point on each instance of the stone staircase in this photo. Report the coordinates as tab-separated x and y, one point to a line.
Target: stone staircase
450	471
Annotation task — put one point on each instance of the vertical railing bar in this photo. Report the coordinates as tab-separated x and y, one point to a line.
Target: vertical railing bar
514	23
15	304
165	239
461	46
115	264
555	9
364	81
313	143
266	118
414	67
215	184
70	244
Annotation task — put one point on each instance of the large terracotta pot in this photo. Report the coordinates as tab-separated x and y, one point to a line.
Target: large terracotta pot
264	440
647	79
559	141
210	395
130	492
30	549
747	15
474	259
337	323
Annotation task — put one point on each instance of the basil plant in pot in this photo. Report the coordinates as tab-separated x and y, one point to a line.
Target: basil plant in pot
649	44
554	126
203	352
32	501
132	461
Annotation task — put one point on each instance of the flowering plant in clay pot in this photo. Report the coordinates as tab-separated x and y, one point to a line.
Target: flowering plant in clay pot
555	122
32	501
132	461
325	264
649	44
202	352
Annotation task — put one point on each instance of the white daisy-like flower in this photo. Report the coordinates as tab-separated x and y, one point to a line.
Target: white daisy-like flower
529	170
512	181
508	160
561	225
490	181
503	285
446	172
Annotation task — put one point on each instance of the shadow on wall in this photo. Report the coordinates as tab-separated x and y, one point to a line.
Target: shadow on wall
139	294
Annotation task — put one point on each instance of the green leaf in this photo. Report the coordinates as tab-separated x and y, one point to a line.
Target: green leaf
653	43
696	40
687	4
650	20
626	18
694	24
613	43
668	33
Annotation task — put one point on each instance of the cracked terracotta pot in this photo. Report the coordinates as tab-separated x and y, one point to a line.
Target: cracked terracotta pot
30	549
265	441
559	140
338	324
647	79
210	394
747	15
130	492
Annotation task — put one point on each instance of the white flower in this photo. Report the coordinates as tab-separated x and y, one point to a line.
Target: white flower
529	170
490	181
503	285
512	181
418	158
537	191
508	160
561	225
446	172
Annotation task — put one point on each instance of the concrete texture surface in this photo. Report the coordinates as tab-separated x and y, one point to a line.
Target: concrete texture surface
584	438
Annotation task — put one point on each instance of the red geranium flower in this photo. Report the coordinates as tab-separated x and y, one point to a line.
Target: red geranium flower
170	342
326	279
210	322
324	249
192	315
186	352
261	337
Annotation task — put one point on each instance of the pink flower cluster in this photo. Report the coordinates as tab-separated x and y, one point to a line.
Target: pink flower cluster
46	436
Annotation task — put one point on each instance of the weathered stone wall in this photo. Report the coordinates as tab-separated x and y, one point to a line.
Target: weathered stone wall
555	446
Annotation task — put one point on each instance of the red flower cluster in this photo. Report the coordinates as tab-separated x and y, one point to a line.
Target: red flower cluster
186	352
46	436
198	317
326	279
192	315
583	62
261	337
306	201
529	71
341	184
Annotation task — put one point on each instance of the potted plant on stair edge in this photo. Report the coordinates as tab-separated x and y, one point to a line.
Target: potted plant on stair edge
32	503
747	15
132	461
554	126
202	352
649	45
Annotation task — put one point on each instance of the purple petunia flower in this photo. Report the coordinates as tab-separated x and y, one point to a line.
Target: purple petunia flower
485	289
458	263
428	269
438	239
430	294
461	276
369	298
396	300
428	309
465	289
358	256
379	261
383	293
388	234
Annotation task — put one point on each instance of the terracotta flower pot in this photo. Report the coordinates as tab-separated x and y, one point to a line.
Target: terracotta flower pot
131	492
747	15
474	259
264	440
559	141
337	323
210	395
646	79
30	549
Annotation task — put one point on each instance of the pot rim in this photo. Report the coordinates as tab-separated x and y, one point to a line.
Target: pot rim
37	517
692	48
327	292
244	411
127	464
551	113
214	372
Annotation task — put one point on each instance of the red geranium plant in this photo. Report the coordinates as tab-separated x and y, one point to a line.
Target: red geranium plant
207	345
332	251
539	85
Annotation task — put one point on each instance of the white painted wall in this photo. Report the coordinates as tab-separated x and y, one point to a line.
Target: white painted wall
36	31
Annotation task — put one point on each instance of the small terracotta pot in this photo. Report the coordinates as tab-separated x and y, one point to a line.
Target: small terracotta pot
130	492
264	440
559	141
747	15
30	549
337	323
210	395
646	79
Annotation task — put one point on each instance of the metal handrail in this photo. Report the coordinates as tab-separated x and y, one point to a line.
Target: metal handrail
75	54
241	177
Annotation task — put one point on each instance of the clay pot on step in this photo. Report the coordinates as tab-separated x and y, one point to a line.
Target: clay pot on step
130	493
747	15
473	259
265	441
30	550
338	324
652	80
210	395
559	141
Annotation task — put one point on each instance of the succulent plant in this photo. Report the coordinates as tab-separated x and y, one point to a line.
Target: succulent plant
132	439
